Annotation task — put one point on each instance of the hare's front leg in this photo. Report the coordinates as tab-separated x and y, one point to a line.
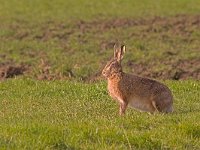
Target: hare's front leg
122	108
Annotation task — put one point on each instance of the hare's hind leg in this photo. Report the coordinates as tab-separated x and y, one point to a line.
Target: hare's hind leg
122	108
164	108
154	106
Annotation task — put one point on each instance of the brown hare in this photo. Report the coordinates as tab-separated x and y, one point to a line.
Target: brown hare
140	93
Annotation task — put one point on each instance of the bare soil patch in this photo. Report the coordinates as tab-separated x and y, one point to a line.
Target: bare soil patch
46	73
11	70
180	70
180	24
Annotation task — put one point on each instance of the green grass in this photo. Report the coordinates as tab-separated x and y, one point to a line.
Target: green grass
38	11
71	115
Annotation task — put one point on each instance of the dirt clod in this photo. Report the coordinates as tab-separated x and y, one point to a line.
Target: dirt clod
9	71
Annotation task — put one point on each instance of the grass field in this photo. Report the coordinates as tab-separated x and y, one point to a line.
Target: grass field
58	39
68	43
67	115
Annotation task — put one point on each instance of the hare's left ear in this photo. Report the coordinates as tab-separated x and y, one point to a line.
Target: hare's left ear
116	50
119	52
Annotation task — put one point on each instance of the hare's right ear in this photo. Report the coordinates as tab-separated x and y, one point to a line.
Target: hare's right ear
119	52
115	50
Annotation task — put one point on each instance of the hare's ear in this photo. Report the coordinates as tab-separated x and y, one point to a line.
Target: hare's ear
115	51
122	52
119	52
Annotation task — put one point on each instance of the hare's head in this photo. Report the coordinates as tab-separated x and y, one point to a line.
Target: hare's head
114	65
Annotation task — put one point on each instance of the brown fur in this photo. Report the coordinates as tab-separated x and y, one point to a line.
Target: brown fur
141	93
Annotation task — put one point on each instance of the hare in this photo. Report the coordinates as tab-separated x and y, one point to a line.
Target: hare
140	93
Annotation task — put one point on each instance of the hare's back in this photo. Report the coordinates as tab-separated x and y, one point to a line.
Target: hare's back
145	87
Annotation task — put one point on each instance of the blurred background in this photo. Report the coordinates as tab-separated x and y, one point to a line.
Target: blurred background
73	40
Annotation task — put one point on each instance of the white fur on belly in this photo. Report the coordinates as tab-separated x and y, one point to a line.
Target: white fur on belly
140	105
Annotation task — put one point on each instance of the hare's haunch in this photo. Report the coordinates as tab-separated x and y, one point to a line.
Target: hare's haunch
140	93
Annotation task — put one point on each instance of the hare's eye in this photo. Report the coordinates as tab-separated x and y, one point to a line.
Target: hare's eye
112	64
